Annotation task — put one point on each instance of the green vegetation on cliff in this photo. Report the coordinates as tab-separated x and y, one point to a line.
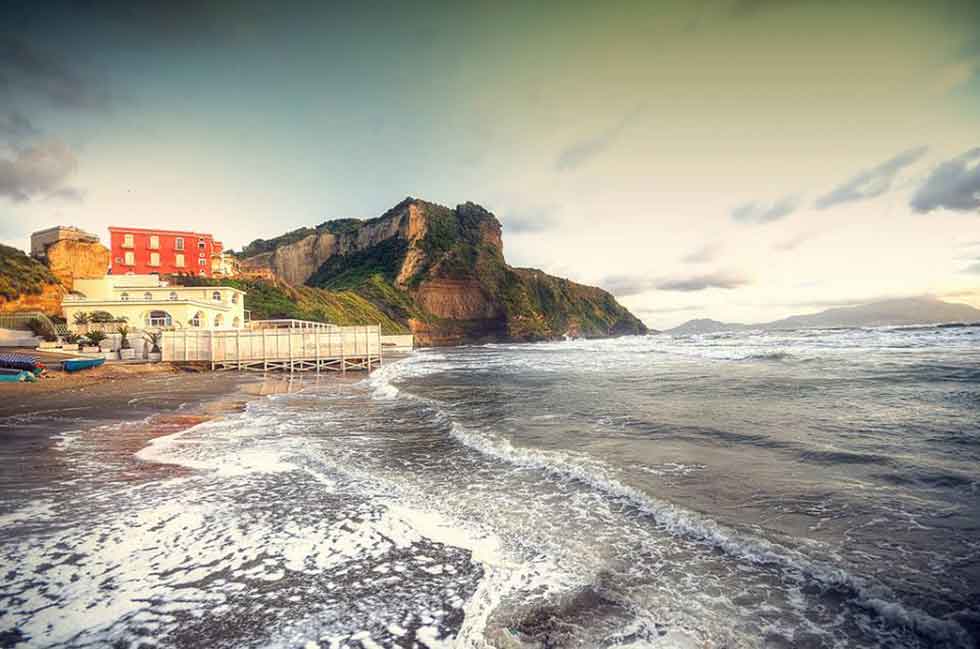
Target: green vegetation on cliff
462	246
19	274
269	300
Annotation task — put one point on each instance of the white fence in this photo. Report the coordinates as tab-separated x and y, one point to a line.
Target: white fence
292	349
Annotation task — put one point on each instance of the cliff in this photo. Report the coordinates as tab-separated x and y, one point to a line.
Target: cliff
69	260
441	273
27	285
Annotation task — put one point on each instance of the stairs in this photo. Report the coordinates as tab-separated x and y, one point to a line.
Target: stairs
17	338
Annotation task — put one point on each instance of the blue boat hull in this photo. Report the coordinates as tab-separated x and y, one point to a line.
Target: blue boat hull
15	376
76	364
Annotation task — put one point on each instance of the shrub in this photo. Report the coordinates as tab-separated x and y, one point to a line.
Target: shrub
101	316
153	337
72	338
123	331
96	337
42	329
81	318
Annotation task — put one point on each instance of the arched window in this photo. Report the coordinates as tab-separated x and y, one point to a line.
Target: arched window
173	295
234	298
237	322
148	296
159	319
219	320
216	296
124	297
197	319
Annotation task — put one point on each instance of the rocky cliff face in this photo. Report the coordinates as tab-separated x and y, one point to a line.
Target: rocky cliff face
70	260
441	272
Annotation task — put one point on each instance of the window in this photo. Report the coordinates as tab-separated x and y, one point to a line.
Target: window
179	244
159	319
127	241
216	296
148	296
154	242
173	295
237	322
234	298
200	262
179	260
200	244
196	320
130	258
124	297
154	258
219	320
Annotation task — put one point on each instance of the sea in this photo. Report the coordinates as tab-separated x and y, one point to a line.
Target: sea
785	489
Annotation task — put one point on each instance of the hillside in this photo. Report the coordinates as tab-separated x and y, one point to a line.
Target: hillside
274	300
440	273
897	312
26	284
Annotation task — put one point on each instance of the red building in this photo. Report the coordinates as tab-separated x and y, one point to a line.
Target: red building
138	251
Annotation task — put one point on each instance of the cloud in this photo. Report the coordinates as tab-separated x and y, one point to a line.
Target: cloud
973	269
24	67
16	125
706	253
39	171
761	212
953	185
528	221
870	182
582	151
794	242
625	285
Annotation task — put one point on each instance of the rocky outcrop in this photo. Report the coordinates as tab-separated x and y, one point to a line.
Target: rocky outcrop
47	301
441	272
69	260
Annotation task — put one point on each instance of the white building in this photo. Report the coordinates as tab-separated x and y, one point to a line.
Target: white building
146	302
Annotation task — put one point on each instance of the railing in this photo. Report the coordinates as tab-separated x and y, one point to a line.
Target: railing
290	324
21	320
277	348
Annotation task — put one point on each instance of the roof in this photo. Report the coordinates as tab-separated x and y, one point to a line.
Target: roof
116	228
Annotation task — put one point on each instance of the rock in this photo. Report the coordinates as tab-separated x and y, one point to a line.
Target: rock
70	260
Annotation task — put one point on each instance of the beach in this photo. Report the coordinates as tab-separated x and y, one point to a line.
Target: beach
570	494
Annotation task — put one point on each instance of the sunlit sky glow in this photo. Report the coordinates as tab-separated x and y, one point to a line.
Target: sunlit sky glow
736	160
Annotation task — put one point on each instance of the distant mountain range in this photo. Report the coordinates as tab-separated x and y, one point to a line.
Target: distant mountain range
905	311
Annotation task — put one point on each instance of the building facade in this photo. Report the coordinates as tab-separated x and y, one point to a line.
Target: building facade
139	251
42	239
146	302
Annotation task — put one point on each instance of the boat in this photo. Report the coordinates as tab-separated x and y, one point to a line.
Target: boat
8	375
75	364
20	362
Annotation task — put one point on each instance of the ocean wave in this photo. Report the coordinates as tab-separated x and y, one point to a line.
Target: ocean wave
868	595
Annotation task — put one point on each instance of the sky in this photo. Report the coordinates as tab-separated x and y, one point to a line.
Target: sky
741	160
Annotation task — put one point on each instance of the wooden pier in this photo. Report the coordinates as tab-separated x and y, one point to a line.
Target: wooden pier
290	346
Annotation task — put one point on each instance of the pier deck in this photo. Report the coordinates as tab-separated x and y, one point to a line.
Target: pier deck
267	348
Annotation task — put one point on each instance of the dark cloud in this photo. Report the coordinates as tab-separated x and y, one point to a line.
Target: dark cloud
706	253
870	182
953	185
15	125
762	212
703	282
625	285
26	69
39	171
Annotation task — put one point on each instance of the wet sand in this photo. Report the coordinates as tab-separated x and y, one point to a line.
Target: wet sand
140	403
